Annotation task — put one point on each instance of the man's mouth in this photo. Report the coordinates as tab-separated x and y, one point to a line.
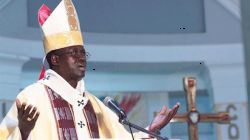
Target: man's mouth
81	67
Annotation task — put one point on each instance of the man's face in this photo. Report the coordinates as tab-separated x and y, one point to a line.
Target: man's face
72	62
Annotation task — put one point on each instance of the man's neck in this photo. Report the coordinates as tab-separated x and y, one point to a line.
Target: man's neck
73	83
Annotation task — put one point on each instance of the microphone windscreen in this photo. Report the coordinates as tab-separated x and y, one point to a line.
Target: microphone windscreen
107	100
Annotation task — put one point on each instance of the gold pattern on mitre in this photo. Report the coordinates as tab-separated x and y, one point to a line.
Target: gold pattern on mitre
62	28
62	40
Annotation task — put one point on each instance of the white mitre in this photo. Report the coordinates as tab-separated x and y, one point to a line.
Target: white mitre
61	28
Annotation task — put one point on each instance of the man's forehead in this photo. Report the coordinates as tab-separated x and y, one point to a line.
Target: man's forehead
78	47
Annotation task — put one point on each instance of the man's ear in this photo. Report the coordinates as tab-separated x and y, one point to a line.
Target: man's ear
54	60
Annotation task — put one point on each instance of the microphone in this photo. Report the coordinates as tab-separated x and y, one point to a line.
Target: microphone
110	103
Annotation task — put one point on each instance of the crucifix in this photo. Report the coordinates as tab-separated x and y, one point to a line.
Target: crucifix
193	116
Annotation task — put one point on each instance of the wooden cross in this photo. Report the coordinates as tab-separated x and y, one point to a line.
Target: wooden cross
192	116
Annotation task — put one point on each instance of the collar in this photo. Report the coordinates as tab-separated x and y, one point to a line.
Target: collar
74	96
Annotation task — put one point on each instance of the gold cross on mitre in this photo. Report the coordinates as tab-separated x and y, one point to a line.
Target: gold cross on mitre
193	116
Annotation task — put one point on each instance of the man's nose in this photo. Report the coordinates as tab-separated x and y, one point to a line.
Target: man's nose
82	57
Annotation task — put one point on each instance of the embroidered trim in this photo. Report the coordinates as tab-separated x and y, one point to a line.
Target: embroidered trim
63	116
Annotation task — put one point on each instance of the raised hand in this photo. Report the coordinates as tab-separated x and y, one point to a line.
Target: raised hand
163	118
27	117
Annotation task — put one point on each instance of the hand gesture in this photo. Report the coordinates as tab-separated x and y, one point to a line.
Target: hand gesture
163	118
27	117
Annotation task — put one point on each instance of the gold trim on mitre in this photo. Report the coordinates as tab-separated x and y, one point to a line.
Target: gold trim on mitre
62	40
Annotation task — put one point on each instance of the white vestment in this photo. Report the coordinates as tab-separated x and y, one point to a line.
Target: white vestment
46	128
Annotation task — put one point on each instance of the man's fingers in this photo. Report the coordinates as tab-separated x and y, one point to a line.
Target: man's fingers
164	110
173	111
169	115
165	116
21	112
32	112
27	111
18	104
36	117
175	108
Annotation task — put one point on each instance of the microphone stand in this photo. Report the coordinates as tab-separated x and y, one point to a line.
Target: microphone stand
124	121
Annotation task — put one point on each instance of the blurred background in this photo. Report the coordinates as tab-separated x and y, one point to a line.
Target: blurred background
139	52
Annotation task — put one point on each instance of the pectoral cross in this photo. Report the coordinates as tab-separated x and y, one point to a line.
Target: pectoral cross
193	116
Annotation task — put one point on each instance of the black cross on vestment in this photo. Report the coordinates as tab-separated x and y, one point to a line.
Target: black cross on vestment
80	102
46	77
81	124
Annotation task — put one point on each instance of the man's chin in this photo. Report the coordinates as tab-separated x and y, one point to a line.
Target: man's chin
81	76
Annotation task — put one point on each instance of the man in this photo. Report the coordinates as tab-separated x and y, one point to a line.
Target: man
58	106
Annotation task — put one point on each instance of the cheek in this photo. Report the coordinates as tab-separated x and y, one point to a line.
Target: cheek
67	64
72	64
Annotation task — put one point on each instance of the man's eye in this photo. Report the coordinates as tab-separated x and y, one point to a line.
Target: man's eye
72	53
83	52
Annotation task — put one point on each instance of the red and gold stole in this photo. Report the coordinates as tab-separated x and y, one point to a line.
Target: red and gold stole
64	117
91	120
